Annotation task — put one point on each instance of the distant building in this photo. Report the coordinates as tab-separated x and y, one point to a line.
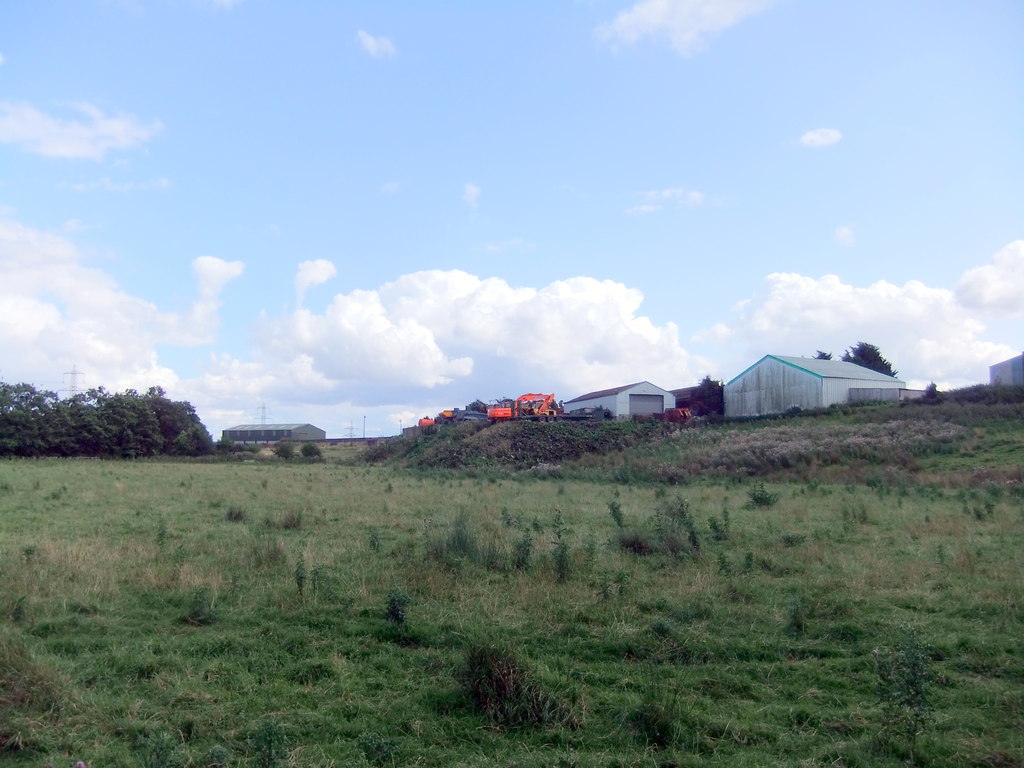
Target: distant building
639	399
1007	372
274	433
775	384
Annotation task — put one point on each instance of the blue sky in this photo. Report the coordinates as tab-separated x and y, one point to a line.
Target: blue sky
348	210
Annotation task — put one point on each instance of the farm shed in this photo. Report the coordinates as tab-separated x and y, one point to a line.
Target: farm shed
776	383
640	399
1007	372
273	433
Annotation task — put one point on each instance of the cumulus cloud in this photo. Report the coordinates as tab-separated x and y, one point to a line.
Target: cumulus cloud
435	328
55	310
310	274
470	194
923	330
845	236
686	23
997	287
821	137
89	138
378	47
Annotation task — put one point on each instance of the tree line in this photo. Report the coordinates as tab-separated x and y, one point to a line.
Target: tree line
98	423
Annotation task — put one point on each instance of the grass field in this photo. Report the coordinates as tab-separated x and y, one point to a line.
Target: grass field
269	613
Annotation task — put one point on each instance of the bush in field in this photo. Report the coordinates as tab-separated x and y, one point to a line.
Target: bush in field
284	450
200	610
903	677
311	451
502	689
269	745
759	496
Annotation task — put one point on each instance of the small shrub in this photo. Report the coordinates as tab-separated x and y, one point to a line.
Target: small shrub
655	721
200	611
502	689
284	451
291	520
759	496
797	621
720	530
395	611
269	745
636	542
300	574
378	749
311	451
374	541
615	510
561	553
236	515
903	676
159	751
216	756
522	551
792	539
267	551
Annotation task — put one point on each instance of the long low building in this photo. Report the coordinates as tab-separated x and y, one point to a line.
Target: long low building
274	433
776	383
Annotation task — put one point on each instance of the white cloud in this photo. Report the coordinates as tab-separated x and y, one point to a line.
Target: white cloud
821	137
91	139
845	236
310	274
997	287
654	200
2	60
686	23
924	331
107	185
378	47
54	310
470	194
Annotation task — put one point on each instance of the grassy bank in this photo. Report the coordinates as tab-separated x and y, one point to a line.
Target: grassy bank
320	615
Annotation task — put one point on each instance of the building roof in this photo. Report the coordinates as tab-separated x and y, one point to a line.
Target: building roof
261	427
607	392
827	369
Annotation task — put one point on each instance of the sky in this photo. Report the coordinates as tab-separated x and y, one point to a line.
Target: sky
355	214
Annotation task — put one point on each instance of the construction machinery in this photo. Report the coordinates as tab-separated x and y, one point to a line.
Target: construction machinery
532	406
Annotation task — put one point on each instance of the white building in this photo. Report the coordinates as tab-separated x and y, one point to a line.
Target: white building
775	384
640	399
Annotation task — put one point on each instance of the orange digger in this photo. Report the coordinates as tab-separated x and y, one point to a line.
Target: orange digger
532	406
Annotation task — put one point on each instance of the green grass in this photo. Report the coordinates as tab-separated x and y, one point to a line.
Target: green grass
274	613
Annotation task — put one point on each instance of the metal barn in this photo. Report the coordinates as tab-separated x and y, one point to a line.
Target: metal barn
1007	372
775	384
273	433
639	399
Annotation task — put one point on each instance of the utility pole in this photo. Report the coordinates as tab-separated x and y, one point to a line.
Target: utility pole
364	427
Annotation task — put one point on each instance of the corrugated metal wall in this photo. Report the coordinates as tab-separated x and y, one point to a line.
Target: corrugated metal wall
772	386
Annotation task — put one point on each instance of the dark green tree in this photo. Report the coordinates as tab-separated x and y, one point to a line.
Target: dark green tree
868	356
709	397
819	355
